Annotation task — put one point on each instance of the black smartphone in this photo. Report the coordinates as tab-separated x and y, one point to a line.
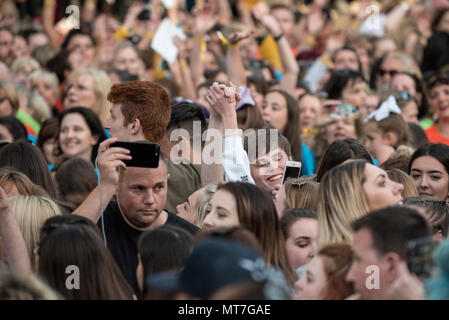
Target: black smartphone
144	154
135	39
420	256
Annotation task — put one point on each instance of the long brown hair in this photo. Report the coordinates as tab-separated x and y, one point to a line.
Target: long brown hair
249	117
292	130
75	240
27	159
257	212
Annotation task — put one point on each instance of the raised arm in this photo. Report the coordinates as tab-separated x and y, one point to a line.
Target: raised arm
109	164
224	11
204	21
234	64
212	171
289	64
396	16
15	250
89	11
48	17
235	162
186	84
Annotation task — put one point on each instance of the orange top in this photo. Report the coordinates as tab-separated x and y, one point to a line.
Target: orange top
30	130
435	137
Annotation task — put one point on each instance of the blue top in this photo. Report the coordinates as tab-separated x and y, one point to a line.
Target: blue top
308	161
32	139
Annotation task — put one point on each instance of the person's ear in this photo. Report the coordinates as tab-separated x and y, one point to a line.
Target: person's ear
419	97
438	236
390	138
94	140
391	263
135	126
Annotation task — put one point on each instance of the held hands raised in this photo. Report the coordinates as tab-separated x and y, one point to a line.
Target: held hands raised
223	99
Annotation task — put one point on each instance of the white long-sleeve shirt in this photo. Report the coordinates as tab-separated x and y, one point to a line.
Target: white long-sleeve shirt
235	160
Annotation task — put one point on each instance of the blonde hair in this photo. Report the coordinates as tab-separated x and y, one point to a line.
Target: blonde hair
302	193
20	63
102	84
10	177
341	200
15	286
31	213
38	106
9	91
48	77
401	177
410	65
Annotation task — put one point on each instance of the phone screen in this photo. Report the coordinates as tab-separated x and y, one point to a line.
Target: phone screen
291	173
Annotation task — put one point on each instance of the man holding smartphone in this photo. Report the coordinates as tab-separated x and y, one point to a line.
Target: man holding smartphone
140	111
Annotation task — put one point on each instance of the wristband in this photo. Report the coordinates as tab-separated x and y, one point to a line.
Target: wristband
278	37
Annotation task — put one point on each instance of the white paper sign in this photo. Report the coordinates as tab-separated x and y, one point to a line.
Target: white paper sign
169	3
163	40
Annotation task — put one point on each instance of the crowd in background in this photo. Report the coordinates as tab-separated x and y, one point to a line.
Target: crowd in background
356	91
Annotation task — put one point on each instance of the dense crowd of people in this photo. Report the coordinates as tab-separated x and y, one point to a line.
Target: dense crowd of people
234	94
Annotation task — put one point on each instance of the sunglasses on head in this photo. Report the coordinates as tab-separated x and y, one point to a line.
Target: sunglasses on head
441	77
49	228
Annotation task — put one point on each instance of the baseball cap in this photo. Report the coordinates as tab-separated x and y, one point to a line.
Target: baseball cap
212	265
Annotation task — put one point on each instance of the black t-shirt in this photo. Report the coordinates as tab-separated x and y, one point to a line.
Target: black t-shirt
122	240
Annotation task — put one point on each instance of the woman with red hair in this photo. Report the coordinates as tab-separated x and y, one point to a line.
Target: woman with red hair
324	277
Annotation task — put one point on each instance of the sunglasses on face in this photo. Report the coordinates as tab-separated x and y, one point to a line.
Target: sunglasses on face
383	72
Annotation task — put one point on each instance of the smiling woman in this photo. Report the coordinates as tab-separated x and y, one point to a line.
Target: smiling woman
80	133
87	87
340	200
